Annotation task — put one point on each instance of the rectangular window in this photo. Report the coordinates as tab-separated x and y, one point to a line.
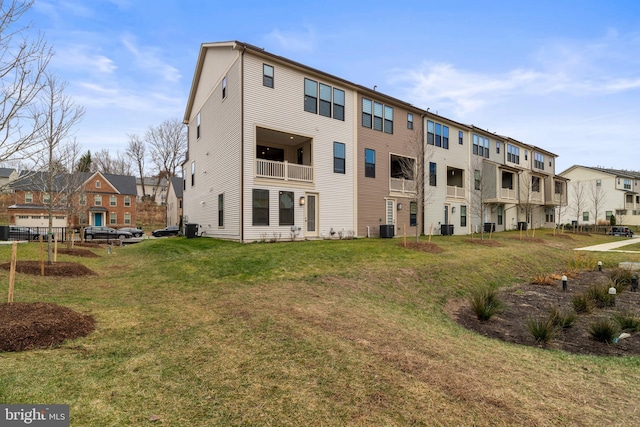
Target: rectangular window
438	135
377	116
339	158
598	183
558	187
198	126
260	207
388	119
127	201
445	137
513	154
500	214
476	147
369	163
83	199
549	214
538	161
476	179
224	87
430	132
47	198
432	174
367	113
325	100
113	218
97	200
463	216
286	207
460	137
310	96
267	75
98	184
127	218
193	173
535	184
627	184
338	104
28	198
585	216
220	210
413	214
526	155
497	147
113	201
409	121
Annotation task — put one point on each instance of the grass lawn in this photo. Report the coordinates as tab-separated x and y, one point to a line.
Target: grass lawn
202	332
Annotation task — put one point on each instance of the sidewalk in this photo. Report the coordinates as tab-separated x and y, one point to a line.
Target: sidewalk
612	246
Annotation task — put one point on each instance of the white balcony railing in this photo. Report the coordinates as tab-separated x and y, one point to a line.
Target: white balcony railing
536	197
284	171
506	193
401	185
455	192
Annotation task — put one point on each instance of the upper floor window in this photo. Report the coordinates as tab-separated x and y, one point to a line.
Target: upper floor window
402	167
432	174
497	147
388	119
367	112
538	161
112	201
47	197
127	201
310	96
558	187
98	183
409	121
267	75
338	104
526	155
627	184
513	154
369	163
480	145
28	198
224	87
198	126
193	173
331	100
460	137
339	157
377	116
438	134
97	200
325	100
83	199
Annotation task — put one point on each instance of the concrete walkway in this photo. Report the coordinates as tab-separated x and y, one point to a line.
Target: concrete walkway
612	246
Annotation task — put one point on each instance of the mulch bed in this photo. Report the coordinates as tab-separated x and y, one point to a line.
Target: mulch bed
485	242
26	326
533	300
65	269
423	246
86	253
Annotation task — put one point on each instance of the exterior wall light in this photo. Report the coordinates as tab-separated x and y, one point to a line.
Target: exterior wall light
301	201
399	206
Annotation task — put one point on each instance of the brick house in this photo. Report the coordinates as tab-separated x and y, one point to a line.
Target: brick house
97	199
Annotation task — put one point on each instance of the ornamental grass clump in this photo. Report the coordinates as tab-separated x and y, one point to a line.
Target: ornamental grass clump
542	329
628	322
604	330
621	277
582	303
485	303
561	319
601	297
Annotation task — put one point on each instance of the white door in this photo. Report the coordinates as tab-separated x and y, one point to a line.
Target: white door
391	213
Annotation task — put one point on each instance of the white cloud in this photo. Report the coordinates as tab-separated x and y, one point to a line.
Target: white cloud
292	41
148	59
81	57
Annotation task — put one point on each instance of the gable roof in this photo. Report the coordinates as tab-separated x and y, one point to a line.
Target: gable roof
124	184
616	172
176	184
6	172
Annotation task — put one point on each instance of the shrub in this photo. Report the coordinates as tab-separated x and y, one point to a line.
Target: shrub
582	303
541	279
603	330
543	330
621	277
561	319
600	296
582	261
485	303
627	321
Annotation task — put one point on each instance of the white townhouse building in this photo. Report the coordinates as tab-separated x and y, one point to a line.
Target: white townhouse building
271	147
596	194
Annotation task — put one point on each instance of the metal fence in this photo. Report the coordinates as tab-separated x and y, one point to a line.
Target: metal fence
13	232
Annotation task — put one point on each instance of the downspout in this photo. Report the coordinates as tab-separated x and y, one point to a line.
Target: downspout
244	48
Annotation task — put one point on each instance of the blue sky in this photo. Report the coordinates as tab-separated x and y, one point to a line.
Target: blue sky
561	75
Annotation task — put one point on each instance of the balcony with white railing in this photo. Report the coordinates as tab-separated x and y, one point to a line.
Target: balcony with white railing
455	192
508	194
283	171
401	185
536	197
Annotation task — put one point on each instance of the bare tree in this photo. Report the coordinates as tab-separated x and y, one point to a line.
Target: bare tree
72	187
597	199
60	115
578	200
168	143
530	196
103	162
23	62
479	191
136	152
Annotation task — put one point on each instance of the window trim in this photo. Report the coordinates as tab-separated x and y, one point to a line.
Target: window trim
368	114
369	167
433	174
308	96
268	80
337	159
254	199
224	87
409	121
338	108
113	200
289	212
221	210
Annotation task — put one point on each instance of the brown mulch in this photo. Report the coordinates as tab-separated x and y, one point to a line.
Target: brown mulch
532	300
86	253
65	269
423	246
26	326
485	242
529	239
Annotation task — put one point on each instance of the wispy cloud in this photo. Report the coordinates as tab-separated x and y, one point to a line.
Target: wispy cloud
292	41
83	58
148	58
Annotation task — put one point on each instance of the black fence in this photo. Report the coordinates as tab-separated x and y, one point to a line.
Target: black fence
14	232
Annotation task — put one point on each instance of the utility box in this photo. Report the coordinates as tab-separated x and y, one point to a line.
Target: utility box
387	231
192	230
522	225
446	229
4	232
489	227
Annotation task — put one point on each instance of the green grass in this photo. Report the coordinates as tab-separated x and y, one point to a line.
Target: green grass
202	332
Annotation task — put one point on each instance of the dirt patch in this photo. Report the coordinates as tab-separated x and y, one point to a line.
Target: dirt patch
65	269
531	300
26	326
86	253
484	242
423	246
529	239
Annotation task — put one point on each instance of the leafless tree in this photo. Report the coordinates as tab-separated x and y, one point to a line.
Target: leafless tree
578	199
168	143
530	196
136	152
479	191
597	199
23	63
59	115
103	162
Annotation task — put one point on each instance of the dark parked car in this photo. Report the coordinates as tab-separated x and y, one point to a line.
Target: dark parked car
22	233
97	232
172	230
621	231
136	232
